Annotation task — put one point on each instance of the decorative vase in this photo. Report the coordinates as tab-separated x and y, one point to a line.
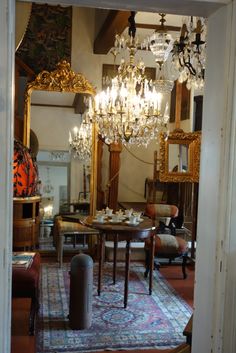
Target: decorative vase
25	172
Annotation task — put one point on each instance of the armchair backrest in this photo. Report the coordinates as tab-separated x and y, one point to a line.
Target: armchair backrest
157	211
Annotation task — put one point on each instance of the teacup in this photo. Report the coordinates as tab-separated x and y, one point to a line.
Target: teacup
100	217
133	219
128	213
137	215
119	213
115	218
109	211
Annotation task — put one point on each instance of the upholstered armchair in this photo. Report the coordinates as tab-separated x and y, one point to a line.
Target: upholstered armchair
167	244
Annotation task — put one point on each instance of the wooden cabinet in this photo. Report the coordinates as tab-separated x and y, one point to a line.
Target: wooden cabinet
26	222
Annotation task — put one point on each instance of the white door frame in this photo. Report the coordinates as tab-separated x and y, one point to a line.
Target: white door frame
7	40
215	278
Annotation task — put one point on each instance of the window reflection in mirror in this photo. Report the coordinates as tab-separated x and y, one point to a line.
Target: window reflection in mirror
178	157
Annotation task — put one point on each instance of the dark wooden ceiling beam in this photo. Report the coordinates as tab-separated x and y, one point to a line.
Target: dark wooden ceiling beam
115	23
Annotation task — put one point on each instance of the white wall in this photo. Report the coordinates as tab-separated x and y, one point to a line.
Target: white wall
7	35
216	213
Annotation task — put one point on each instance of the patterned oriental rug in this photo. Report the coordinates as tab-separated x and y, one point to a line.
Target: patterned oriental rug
149	321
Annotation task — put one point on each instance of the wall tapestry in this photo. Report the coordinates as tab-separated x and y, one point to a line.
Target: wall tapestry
48	37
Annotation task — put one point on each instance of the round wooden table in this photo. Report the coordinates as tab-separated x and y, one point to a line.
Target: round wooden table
122	231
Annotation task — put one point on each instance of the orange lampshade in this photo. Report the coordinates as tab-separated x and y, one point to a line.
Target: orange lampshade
25	172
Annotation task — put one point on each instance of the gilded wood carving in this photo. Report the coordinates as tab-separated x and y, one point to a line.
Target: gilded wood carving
63	79
180	156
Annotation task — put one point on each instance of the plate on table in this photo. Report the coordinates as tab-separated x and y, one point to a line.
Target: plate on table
131	223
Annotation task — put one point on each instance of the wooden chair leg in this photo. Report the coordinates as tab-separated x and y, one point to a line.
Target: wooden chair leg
184	266
147	262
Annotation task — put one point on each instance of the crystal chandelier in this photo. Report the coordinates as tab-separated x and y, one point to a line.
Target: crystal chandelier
160	43
80	140
131	109
189	53
57	156
164	82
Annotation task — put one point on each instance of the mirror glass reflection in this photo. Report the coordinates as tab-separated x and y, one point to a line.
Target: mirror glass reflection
53	116
178	157
54	181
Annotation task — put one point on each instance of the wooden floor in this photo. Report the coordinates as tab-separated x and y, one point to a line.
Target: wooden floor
23	343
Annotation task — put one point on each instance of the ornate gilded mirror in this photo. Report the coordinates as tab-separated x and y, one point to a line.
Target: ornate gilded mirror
180	156
61	81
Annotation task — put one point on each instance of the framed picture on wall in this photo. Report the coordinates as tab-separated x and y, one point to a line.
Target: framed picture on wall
109	71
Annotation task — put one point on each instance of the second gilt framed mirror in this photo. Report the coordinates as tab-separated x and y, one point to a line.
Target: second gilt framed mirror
180	156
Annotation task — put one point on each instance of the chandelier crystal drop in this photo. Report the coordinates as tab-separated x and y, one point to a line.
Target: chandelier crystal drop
130	110
80	140
189	53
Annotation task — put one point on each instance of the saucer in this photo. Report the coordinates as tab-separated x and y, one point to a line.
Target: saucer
97	221
115	221
132	224
123	217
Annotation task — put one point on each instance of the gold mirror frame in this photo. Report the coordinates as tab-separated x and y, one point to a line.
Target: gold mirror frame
179	137
62	79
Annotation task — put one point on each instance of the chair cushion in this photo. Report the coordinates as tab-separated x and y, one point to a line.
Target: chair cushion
25	281
167	244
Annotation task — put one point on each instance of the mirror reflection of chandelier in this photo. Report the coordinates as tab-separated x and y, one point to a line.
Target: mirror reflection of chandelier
189	53
80	140
130	110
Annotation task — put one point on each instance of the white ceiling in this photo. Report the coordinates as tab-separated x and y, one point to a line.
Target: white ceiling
181	7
